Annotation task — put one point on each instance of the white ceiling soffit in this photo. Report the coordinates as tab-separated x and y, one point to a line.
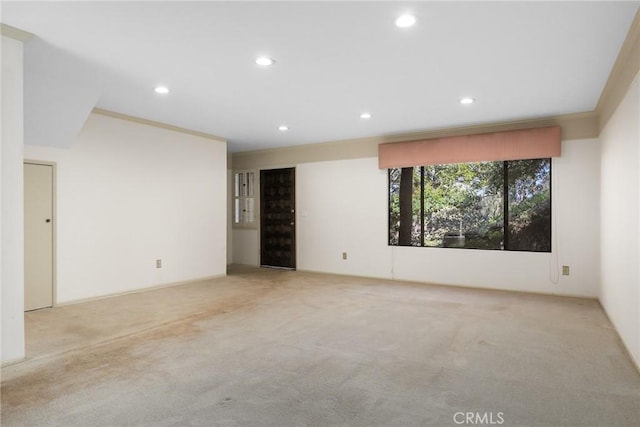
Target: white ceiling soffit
334	61
55	109
57	100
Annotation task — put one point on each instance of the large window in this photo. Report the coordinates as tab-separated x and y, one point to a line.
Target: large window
463	205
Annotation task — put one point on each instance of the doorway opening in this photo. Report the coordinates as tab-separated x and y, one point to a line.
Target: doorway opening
39	233
277	218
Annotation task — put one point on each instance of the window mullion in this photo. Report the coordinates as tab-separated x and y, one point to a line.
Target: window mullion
421	205
505	203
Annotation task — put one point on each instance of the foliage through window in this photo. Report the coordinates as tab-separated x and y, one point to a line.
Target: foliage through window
463	205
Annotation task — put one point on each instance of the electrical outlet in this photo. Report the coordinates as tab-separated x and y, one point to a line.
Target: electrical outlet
565	270
158	263
344	255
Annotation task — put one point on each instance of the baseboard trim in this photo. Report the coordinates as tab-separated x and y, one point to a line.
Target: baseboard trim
635	362
139	290
12	362
453	285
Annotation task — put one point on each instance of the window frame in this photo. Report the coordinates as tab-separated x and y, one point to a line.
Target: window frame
241	197
505	220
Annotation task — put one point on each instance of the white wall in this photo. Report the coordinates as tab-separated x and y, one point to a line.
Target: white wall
576	213
11	216
620	290
342	207
246	246
128	194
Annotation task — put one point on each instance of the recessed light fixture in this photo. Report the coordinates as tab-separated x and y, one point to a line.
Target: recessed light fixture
467	100
265	61
161	89
365	115
283	128
405	21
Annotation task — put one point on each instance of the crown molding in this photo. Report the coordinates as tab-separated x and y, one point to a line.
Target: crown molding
14	33
624	71
157	124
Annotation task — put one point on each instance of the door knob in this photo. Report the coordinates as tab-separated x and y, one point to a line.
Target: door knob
47	220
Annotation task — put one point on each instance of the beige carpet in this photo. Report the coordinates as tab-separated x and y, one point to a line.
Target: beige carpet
278	348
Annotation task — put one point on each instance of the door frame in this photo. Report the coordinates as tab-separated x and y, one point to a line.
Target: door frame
54	227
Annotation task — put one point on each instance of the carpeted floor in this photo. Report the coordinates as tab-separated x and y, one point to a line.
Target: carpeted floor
279	348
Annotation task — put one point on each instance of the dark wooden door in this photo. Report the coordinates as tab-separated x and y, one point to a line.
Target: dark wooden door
277	218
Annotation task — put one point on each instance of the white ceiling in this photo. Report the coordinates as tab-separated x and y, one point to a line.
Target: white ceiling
334	60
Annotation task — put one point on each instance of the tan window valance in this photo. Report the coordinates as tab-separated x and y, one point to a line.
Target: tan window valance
535	143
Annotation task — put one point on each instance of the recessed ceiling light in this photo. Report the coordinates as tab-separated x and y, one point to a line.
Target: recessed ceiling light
467	100
283	128
162	89
265	61
365	116
406	20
